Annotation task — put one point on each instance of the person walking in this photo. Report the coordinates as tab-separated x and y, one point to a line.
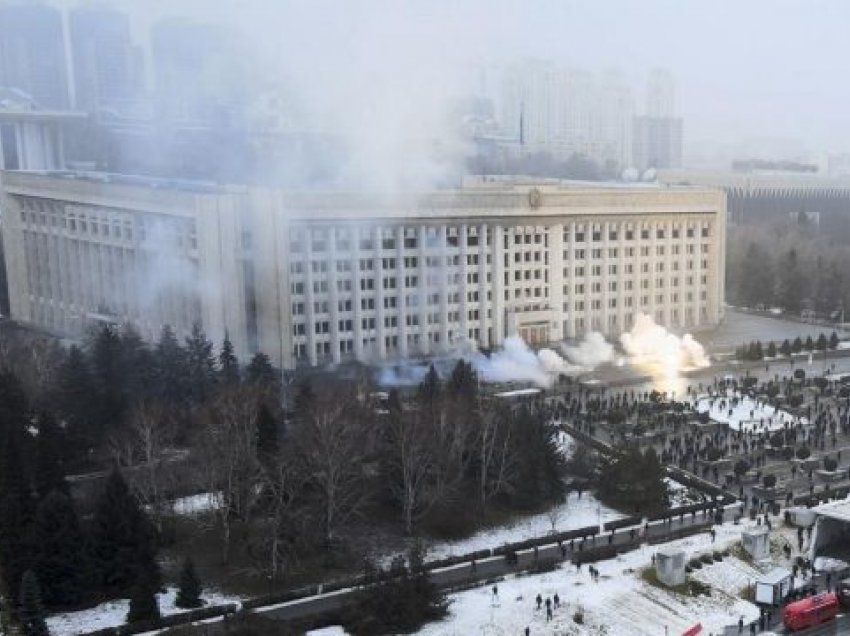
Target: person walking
539	600
557	600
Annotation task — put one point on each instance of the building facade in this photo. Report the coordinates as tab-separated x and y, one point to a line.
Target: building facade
315	278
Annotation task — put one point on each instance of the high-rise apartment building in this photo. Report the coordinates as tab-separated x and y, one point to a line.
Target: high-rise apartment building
32	53
107	67
315	278
566	111
660	94
657	135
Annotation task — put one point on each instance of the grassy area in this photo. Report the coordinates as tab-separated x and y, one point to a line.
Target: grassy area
691	587
738	552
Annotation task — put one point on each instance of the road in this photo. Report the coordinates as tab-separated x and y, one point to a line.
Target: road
484	570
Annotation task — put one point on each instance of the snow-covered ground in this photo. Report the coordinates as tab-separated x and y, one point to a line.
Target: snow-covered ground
575	512
196	504
680	494
747	414
620	603
114	613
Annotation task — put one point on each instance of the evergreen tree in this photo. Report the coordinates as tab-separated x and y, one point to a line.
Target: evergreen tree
261	371
267	435
30	609
108	376
833	341
463	383
170	368
756	284
144	605
634	481
400	602
797	345
137	360
810	344
540	464
822	343
305	400
189	594
50	457
785	349
227	363
791	282
758	352
430	389
61	563
75	401
771	349
201	364
16	501
123	539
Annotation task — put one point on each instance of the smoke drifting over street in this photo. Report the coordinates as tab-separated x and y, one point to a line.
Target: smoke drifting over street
647	345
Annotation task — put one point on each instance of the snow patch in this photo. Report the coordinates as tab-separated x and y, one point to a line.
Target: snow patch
114	613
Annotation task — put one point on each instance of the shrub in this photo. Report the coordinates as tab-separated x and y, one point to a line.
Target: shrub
695	564
829	463
707	559
803	452
820	382
578	617
844	392
794	401
777	440
799	374
741	467
772	390
714	454
769	481
718	556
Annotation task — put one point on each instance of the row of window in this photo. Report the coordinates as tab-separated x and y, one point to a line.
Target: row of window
660	299
629	234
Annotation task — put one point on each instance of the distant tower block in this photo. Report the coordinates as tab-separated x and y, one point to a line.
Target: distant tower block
670	567
756	543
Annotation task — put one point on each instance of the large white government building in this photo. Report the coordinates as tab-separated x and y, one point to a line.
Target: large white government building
311	278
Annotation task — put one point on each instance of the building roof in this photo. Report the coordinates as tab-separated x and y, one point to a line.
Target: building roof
838	510
775	576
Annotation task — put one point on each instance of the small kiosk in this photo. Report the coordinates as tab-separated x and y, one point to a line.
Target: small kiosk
774	586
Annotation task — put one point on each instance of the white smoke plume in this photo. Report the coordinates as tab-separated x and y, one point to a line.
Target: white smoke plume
650	343
592	351
517	362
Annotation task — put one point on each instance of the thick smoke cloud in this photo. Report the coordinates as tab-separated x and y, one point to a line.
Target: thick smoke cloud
590	352
517	362
650	343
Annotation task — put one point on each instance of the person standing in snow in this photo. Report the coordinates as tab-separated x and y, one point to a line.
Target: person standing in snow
557	600
539	600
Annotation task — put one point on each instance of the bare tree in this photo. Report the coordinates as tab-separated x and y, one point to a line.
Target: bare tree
494	454
283	482
333	444
144	446
554	515
410	459
227	456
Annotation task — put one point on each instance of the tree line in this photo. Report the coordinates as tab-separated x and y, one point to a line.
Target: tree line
785	264
284	485
756	351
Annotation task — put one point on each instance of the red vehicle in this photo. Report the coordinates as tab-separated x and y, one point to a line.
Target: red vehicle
810	611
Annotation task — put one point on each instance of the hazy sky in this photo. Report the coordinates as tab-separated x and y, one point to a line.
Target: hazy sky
745	68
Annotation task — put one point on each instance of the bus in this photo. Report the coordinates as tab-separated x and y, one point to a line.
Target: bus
810	611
